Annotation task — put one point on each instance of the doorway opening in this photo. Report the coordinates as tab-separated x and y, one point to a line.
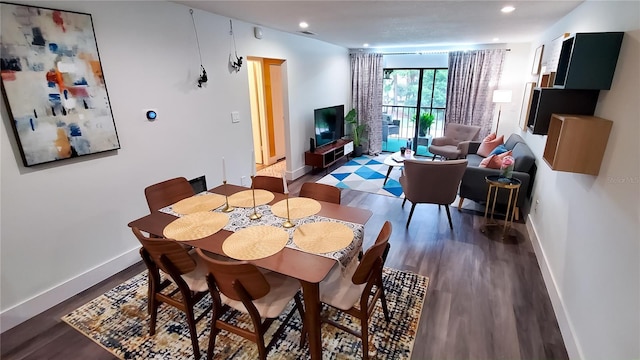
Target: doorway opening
266	90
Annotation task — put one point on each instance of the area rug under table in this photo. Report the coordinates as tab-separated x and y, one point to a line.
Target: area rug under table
118	321
366	173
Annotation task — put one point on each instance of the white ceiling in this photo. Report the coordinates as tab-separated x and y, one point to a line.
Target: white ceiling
398	24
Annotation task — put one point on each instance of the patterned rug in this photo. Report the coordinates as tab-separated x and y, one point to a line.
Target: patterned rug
118	321
366	173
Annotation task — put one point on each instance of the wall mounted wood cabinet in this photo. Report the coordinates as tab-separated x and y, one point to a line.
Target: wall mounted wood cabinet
576	143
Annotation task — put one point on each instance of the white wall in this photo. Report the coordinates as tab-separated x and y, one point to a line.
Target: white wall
64	225
587	227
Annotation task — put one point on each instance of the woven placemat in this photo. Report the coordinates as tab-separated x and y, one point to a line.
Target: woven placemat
245	198
198	203
299	207
195	226
255	242
322	237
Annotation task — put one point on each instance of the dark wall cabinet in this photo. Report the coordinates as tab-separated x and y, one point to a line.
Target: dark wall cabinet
586	65
547	101
588	61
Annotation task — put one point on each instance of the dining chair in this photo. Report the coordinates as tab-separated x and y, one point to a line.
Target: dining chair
261	295
184	269
431	182
342	291
271	183
167	192
321	192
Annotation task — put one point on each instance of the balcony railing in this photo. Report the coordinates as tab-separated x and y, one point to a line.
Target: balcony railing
407	126
407	116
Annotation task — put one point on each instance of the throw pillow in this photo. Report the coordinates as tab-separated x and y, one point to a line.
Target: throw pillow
505	154
499	150
491	162
487	147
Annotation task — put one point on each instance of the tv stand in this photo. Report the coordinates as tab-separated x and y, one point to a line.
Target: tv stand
327	155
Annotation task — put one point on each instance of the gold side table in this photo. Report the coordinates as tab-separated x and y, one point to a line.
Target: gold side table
496	183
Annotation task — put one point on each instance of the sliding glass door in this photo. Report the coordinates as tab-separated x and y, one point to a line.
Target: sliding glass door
414	104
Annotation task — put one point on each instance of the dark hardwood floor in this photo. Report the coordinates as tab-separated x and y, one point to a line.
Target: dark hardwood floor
486	297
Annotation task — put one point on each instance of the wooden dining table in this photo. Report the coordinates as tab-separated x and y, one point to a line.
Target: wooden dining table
310	269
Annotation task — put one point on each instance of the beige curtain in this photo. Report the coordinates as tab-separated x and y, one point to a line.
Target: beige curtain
366	97
473	75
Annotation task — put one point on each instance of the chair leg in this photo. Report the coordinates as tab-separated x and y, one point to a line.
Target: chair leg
404	201
154	315
433	158
383	300
449	216
365	336
191	321
413	206
460	203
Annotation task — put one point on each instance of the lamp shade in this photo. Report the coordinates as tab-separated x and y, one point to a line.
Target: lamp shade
501	96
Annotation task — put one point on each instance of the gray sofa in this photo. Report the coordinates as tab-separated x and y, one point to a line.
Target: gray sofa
473	185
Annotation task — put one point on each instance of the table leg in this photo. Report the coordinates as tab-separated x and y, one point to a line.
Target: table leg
311	296
387	177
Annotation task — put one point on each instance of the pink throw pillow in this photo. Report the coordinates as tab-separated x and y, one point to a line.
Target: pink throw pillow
492	162
505	154
487	146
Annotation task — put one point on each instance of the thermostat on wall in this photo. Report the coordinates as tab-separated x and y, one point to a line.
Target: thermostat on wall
151	115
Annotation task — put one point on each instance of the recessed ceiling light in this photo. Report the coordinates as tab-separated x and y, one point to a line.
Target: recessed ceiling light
365	45
303	25
495	39
507	9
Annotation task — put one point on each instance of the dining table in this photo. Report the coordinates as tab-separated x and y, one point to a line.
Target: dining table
308	268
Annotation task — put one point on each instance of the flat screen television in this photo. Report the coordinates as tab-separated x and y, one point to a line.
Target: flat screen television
329	124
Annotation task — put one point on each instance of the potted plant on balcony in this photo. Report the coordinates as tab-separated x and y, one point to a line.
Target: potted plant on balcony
426	120
357	131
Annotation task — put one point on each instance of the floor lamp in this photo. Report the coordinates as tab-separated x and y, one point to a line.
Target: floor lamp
500	97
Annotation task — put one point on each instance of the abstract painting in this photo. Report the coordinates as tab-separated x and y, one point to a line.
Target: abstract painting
53	84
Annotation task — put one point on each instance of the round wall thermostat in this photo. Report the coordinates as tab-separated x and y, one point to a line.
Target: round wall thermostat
151	115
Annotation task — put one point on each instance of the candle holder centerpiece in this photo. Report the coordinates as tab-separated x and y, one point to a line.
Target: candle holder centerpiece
287	224
227	208
254	215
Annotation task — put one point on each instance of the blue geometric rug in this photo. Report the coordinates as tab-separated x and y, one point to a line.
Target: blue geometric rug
366	173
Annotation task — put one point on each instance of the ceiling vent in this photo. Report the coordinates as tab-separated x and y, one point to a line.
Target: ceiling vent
306	32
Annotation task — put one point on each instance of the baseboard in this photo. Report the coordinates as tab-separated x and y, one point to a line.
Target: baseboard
39	303
301	171
566	328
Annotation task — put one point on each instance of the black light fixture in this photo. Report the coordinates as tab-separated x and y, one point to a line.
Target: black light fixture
234	65
203	75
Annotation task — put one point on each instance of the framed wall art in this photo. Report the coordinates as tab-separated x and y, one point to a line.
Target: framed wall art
525	108
537	59
53	84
